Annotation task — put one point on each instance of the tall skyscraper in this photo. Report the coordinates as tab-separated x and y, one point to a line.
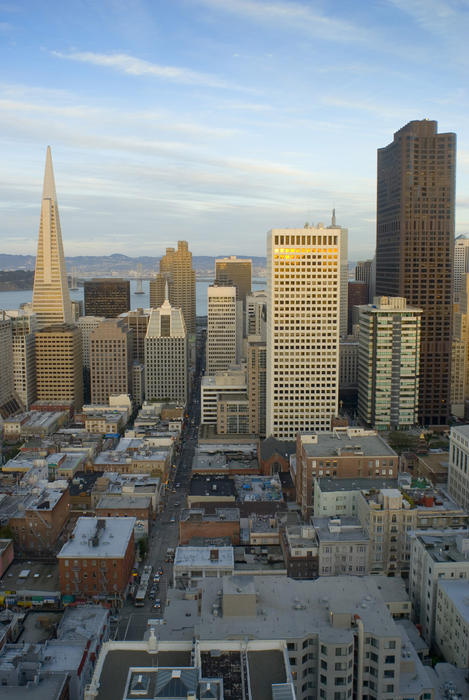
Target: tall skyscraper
111	359
108	297
235	272
176	269
223	327
303	292
256	313
59	368
414	247
166	355
137	320
9	399
343	276
257	374
51	299
460	263
388	363
23	328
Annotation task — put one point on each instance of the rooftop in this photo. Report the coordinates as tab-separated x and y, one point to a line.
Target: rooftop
213	557
131	502
328	485
98	537
215	486
444	548
340	529
348	443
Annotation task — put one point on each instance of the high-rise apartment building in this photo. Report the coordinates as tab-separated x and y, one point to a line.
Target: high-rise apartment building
388	363
222	328
166	355
51	299
108	297
460	263
414	247
111	349
235	272
303	292
59	369
23	328
176	269
257	378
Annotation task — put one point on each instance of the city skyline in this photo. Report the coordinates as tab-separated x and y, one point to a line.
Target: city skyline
213	121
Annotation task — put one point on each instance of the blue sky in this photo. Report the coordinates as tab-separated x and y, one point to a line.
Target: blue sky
215	120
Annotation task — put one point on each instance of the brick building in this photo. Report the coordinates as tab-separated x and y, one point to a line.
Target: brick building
196	522
343	453
38	520
97	560
274	455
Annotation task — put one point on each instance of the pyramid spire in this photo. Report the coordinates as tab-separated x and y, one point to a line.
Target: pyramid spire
51	299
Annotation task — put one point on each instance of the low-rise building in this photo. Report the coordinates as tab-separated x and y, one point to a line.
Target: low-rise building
458	477
33	424
130	507
191	564
206	489
106	422
452	622
339	497
301	551
96	562
6	555
196	522
274	455
225	458
342	453
115	485
342	546
153	461
263	530
233	381
37	520
435	556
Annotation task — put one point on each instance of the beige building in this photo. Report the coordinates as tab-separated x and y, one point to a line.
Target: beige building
257	378
452	622
59	372
303	291
460	264
256	313
233	413
223	328
232	381
342	546
388	363
176	269
23	329
87	325
166	355
51	298
458	476
343	275
460	350
111	359
235	272
137	320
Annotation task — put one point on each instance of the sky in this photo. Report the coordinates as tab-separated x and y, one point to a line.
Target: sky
213	121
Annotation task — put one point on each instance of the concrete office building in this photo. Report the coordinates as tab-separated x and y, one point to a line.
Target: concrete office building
342	546
435	556
388	363
257	389
108	297
23	329
460	350
303	291
9	400
414	248
223	328
211	387
87	324
363	271
137	320
256	314
343	275
51	298
176	270
166	355
348	362
235	272
460	263
111	347
458	476
59	369
452	622
233	413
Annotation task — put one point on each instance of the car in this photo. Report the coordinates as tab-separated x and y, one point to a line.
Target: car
160	571
177	504
156	578
157	604
173	519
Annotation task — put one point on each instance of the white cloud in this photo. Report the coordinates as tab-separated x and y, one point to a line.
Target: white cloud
131	65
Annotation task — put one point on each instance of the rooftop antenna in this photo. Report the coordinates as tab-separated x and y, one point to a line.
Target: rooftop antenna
333	217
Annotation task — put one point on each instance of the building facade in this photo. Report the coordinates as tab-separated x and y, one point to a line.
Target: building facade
235	272
23	330
111	347
176	269
388	364
257	387
166	355
108	297
59	369
414	248
458	476
303	290
460	263
222	329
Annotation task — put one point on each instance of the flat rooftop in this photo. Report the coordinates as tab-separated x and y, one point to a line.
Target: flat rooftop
199	515
330	445
258	488
214	486
40	577
120	502
90	541
343	529
328	485
207	557
458	593
443	547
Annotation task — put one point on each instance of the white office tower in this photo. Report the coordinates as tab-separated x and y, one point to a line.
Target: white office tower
51	299
23	328
460	263
343	276
88	324
224	328
166	355
303	292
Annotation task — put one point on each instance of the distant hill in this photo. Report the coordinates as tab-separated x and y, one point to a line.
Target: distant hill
15	280
95	265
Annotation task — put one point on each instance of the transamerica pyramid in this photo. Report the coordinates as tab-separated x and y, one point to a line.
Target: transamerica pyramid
51	298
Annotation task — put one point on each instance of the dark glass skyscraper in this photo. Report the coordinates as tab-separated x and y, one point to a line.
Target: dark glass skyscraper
414	247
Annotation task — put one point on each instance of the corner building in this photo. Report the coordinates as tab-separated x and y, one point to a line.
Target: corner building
414	247
303	292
